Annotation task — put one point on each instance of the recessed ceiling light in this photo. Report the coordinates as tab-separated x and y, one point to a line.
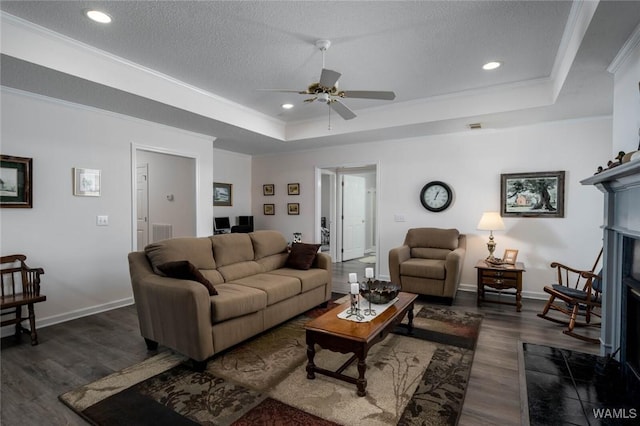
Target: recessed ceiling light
96	15
491	65
287	106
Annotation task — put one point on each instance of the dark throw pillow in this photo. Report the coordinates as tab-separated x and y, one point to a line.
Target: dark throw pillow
184	270
302	255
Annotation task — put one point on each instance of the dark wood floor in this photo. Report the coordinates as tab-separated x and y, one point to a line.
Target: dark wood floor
81	351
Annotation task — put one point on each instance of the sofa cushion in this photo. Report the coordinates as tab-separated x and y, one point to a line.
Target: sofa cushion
212	275
433	237
302	255
239	270
426	268
231	248
430	253
310	278
277	287
267	243
275	261
184	270
235	301
198	251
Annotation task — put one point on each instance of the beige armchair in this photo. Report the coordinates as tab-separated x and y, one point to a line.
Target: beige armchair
429	262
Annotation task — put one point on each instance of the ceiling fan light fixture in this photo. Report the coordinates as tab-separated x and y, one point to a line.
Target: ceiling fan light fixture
97	16
492	65
287	106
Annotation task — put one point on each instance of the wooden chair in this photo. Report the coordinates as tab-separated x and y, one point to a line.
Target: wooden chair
20	286
579	293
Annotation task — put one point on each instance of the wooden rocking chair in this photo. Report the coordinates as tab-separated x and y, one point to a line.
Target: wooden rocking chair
582	298
20	286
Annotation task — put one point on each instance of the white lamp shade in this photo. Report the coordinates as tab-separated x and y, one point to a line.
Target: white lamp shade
491	221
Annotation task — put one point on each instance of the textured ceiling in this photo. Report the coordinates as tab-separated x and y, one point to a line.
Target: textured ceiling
425	51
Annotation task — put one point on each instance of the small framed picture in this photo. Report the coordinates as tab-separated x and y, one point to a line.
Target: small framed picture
510	256
86	182
268	189
269	209
293	208
222	195
15	182
293	189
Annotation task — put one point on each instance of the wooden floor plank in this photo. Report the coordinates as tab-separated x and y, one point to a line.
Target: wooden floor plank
81	351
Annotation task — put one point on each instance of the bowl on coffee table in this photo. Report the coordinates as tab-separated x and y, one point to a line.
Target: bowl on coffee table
379	292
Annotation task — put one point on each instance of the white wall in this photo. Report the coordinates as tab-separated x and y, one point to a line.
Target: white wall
626	103
471	163
233	168
86	268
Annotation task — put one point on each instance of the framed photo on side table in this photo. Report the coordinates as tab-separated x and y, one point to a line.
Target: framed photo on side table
86	182
510	256
15	182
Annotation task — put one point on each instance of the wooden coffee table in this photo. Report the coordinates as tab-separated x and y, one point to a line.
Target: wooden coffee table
344	336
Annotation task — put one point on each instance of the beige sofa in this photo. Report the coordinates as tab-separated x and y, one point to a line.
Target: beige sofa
429	262
255	290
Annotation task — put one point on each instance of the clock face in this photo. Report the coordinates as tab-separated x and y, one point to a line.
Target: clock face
436	196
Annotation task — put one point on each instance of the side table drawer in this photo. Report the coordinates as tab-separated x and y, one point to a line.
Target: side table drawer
500	274
500	282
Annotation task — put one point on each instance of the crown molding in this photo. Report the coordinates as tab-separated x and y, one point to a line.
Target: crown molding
632	43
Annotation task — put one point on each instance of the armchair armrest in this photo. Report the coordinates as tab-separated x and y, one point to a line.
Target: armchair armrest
396	257
172	312
453	265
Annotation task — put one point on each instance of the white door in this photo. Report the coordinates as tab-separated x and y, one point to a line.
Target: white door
142	205
353	216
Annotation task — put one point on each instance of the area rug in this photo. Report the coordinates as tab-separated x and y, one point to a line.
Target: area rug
418	379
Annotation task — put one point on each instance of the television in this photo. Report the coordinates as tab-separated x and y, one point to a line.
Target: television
245	220
221	223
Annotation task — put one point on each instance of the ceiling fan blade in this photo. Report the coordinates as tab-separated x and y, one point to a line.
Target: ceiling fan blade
329	78
369	94
342	110
301	92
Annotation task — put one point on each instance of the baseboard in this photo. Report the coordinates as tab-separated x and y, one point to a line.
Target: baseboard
68	316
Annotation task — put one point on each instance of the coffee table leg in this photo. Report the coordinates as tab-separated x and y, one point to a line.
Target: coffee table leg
362	382
410	316
311	353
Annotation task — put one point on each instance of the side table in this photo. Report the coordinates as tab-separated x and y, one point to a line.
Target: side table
500	278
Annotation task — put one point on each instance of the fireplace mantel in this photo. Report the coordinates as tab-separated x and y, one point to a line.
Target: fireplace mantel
621	188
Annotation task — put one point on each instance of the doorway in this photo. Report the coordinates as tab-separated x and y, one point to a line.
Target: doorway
165	196
346	212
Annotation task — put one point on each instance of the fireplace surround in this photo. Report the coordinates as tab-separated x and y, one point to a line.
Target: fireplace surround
620	331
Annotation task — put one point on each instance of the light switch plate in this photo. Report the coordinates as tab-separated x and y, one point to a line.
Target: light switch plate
399	217
102	220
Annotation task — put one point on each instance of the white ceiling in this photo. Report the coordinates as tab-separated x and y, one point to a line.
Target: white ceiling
198	65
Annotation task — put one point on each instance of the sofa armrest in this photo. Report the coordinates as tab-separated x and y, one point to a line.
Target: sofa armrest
453	266
396	257
175	313
322	261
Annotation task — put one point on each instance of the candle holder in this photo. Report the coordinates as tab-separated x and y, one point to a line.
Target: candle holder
370	312
354	311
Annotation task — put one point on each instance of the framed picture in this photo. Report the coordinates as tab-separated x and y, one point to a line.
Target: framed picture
532	194
269	209
268	189
86	182
293	189
16	190
510	256
222	195
293	208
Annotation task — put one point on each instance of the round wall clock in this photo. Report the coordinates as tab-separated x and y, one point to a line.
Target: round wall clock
436	196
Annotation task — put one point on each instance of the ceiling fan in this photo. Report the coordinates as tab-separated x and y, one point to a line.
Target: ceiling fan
326	90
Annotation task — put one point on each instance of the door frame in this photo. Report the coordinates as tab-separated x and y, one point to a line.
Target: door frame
135	147
337	168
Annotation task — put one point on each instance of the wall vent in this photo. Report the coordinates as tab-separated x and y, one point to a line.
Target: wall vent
161	231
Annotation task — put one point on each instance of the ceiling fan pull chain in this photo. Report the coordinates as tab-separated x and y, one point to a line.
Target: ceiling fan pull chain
329	128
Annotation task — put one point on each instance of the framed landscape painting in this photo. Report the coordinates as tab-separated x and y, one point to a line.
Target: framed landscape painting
15	182
222	195
539	194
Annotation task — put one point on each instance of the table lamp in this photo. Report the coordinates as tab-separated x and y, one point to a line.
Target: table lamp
491	221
